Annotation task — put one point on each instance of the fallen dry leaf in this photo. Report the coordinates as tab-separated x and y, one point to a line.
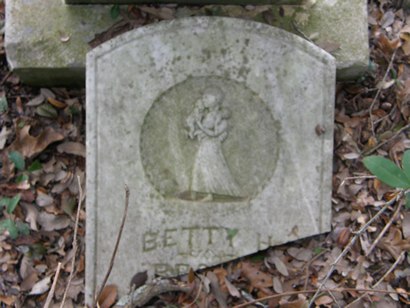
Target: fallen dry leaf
29	281
277	285
301	303
38	100
138	280
56	103
257	279
393	243
108	296
31	215
406	225
47	93
280	266
216	290
8	300
4	133
41	287
233	291
43	199
161	12
76	287
74	148
50	222
324	300
30	146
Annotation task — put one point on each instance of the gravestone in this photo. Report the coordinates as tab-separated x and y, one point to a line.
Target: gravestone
223	130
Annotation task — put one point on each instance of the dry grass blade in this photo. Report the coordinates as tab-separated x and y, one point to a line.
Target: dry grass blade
196	297
387	140
107	275
391	269
53	287
379	91
350	245
323	290
379	237
75	246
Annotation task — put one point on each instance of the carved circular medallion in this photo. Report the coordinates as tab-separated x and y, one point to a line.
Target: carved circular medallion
209	139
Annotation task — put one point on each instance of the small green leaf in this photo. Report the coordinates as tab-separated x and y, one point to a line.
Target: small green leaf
21	124
3	104
18	160
22	228
115	11
37	251
73	110
386	171
257	257
317	250
406	164
10	203
68	207
407	204
13	203
231	233
46	110
36	165
4	201
21	178
10	226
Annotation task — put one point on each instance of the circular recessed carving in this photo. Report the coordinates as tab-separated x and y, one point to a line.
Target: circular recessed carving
209	139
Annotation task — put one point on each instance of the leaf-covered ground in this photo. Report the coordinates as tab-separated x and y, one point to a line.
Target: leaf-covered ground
42	143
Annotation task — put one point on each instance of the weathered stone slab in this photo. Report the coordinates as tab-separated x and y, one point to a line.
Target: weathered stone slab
212	122
196	2
46	41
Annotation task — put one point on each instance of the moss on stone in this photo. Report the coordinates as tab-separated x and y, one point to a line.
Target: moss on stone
46	34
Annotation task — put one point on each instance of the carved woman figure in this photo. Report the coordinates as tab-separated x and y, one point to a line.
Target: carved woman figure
208	123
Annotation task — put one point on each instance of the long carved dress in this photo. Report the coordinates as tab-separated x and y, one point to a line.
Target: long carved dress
211	173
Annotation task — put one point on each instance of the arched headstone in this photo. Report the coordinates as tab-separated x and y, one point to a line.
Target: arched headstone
223	131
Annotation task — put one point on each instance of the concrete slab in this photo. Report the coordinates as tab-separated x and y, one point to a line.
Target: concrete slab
46	40
216	141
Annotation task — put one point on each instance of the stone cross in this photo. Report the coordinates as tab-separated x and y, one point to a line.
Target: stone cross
222	129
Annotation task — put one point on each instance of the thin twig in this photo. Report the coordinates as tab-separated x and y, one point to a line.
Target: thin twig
117	242
196	297
350	245
75	245
308	266
386	141
53	286
251	299
393	110
379	90
5	78
381	279
324	290
388	225
334	298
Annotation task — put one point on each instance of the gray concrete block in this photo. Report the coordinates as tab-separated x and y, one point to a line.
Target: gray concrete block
46	40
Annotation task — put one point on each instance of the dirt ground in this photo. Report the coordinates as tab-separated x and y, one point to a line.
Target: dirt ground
42	143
